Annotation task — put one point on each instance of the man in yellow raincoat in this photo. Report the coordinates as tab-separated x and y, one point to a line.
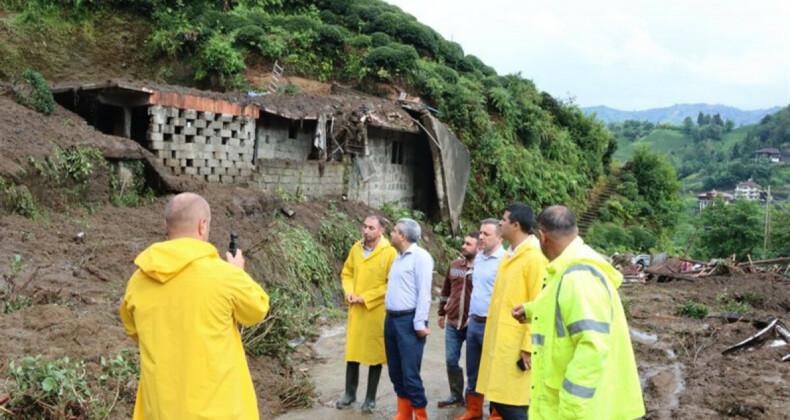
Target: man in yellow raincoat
364	278
504	376
582	361
181	307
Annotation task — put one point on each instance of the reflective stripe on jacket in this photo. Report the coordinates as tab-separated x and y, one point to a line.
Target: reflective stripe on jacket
583	364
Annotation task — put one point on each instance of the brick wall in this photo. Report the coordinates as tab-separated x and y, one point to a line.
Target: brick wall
208	146
280	138
391	181
309	178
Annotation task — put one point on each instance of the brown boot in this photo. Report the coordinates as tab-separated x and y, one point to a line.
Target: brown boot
420	414
404	409
494	415
474	408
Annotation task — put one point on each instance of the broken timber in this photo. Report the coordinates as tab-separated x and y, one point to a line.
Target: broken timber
775	328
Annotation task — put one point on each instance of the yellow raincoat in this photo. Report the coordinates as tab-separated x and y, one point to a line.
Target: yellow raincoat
182	306
582	361
367	277
518	280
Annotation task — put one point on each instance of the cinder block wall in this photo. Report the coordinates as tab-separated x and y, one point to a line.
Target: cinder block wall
205	145
309	178
392	182
279	138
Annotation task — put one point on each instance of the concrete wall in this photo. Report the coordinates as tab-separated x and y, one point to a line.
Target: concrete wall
274	141
309	178
390	182
208	146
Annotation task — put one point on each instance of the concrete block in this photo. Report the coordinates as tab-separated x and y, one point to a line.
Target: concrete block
167	129
212	178
189	114
245	172
161	154
156	145
232	171
207	115
234	142
216	125
173	112
204	170
225	118
154	109
157	137
199	140
191	171
225	133
220	155
189	131
234	126
227	164
200	124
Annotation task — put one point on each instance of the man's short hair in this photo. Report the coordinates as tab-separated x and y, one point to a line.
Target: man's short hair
558	220
383	222
474	235
411	229
523	214
495	222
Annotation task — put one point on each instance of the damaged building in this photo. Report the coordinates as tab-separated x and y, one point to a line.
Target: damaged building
365	148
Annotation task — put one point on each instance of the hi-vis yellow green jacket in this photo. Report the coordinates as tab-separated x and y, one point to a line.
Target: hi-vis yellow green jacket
367	277
582	362
518	280
182	306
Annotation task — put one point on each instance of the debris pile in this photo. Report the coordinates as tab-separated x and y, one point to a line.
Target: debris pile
775	334
687	269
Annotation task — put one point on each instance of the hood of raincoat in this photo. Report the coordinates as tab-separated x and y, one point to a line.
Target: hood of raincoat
577	252
163	260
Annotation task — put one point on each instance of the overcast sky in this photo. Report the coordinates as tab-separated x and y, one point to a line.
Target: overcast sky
628	54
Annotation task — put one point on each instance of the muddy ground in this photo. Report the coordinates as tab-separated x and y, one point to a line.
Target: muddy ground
77	286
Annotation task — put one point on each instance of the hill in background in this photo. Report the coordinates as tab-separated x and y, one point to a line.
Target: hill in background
676	113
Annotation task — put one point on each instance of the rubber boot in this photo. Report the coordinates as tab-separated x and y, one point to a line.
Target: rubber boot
474	408
456	380
494	415
374	373
405	412
352	380
420	414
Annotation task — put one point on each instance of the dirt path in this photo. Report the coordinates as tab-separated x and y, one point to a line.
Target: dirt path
329	375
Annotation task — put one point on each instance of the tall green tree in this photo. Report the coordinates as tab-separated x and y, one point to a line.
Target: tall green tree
725	229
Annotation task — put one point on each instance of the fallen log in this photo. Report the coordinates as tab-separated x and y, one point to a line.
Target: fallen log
783	260
754	340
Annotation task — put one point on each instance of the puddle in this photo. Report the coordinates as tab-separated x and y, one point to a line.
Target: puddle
667	378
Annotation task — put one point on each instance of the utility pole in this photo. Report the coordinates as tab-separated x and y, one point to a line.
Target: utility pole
767	240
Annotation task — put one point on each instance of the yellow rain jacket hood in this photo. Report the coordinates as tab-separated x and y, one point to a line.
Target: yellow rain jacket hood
583	364
367	277
518	280
182	306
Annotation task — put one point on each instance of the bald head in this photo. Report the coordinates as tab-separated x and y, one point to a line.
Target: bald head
187	215
558	221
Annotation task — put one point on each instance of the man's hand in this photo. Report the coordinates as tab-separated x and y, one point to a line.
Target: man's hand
359	300
527	358
423	333
236	260
518	313
351	298
441	322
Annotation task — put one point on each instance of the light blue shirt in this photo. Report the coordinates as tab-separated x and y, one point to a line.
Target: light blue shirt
409	284
483	281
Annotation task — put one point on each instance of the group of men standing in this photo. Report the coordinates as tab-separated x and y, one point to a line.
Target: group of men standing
545	330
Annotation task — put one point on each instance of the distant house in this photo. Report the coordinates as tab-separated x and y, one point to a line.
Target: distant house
748	190
770	154
706	197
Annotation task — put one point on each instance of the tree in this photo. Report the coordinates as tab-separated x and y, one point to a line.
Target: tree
717	120
688	125
730	229
659	187
729	125
700	118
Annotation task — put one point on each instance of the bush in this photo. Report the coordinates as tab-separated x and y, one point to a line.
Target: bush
33	91
219	58
339	234
49	390
394	59
332	37
380	39
361	42
692	309
451	52
250	36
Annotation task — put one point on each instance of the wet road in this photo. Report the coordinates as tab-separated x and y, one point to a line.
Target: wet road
329	377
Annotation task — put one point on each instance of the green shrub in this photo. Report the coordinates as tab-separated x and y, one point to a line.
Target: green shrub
738	307
34	92
48	389
332	37
329	18
692	309
18	199
338	233
380	39
751	298
394	59
218	58
250	36
361	41
450	52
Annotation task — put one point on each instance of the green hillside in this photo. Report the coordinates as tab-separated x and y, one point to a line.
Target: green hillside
524	144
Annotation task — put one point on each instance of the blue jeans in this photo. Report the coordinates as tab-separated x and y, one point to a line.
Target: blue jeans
404	358
474	348
453	341
511	412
